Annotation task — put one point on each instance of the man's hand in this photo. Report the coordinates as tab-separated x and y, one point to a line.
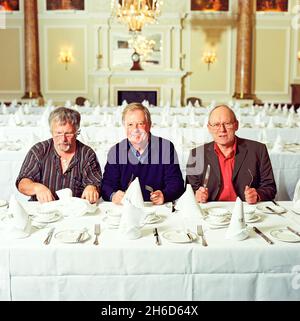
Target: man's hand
91	194
251	195
117	197
43	193
157	197
202	194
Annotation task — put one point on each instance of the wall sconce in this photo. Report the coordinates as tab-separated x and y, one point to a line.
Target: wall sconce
298	55
65	57
209	58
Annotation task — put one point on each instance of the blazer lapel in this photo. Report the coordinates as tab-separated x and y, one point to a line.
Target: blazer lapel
212	159
240	156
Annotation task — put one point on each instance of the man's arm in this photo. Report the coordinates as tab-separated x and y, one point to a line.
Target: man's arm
91	178
173	181
267	186
28	187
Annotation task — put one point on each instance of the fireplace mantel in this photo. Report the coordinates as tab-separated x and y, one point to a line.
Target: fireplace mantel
168	84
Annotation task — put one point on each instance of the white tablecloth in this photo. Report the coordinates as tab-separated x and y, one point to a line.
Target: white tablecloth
119	269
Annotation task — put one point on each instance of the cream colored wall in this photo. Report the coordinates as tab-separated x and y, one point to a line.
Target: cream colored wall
58	78
185	36
10	69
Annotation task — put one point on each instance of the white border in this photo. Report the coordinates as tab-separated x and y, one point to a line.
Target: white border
75	91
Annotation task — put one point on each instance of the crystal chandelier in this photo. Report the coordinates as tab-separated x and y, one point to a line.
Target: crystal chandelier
136	13
144	47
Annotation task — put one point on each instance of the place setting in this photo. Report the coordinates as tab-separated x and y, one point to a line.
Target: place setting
287	234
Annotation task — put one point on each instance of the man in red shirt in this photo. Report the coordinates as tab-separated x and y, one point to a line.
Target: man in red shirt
238	167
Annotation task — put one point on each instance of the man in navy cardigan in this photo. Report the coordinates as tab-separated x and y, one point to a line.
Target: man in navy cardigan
150	158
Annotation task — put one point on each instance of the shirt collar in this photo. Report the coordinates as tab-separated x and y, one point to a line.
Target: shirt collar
219	152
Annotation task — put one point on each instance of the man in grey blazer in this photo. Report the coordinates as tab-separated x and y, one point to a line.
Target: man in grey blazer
238	167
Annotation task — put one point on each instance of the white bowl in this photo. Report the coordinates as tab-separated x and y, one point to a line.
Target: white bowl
218	211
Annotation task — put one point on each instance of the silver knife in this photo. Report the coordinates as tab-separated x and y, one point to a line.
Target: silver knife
155	233
206	176
260	233
49	236
293	231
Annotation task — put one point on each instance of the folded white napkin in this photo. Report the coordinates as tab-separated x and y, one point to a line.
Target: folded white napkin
237	228
124	103
20	225
278	145
190	209
68	205
271	123
290	122
11	121
4	109
296	197
87	103
197	104
133	214
68	104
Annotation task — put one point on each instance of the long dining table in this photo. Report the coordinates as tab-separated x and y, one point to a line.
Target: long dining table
139	269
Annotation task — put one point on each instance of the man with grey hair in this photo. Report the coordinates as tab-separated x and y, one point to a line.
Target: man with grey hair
150	158
238	166
61	162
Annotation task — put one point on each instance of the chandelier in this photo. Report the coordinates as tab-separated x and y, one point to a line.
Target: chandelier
136	13
144	47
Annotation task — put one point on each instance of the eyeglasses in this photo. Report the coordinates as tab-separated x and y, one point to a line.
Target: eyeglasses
68	135
217	126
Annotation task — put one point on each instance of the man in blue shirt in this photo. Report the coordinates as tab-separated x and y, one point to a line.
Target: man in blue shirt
150	158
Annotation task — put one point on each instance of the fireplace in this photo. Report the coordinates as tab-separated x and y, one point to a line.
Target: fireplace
137	96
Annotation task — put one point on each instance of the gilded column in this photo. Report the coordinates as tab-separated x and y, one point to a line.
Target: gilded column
243	74
32	61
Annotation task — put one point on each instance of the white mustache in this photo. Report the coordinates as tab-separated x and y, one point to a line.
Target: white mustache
137	132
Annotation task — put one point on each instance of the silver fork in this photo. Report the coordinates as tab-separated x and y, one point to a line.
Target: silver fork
149	188
97	233
251	177
201	234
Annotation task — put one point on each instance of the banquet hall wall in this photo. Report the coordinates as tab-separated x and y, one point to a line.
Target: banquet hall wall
100	69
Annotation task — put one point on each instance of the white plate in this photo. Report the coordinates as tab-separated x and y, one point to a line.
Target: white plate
278	209
218	211
253	219
110	225
152	219
178	236
285	235
47	218
215	223
3	203
71	236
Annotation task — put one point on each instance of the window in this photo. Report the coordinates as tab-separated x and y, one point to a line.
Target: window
272	5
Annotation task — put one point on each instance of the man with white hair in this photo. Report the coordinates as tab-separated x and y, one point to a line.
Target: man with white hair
150	158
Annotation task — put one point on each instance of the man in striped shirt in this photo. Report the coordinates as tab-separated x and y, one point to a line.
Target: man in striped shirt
61	162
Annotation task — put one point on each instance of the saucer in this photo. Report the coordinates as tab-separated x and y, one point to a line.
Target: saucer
45	218
178	236
152	219
3	203
253	219
215	224
71	236
277	209
285	235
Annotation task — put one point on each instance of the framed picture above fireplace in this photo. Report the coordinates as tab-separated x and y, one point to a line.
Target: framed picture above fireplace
148	46
9	5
